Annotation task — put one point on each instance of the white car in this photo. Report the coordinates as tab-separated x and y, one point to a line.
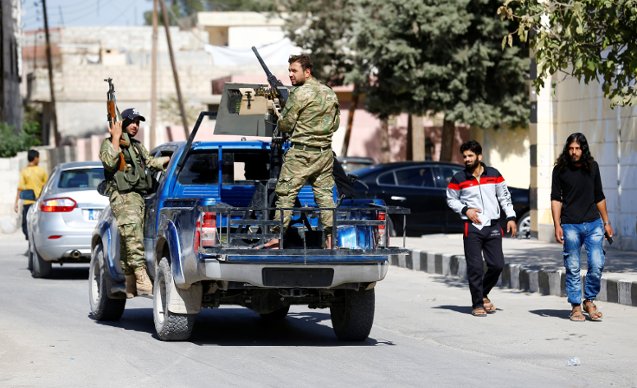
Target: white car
61	222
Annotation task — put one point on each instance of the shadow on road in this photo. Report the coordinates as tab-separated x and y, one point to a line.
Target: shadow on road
561	314
458	309
66	272
242	327
69	273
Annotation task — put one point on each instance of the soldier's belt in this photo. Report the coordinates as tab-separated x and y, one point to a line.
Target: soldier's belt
306	147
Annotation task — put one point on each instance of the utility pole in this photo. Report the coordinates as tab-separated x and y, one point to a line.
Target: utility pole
56	135
153	81
180	100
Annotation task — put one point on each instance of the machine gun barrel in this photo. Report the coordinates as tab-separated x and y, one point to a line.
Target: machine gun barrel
277	86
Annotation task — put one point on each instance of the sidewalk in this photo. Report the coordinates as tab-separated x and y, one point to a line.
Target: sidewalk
530	265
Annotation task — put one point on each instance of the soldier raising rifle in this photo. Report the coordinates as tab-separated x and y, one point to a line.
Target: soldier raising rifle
125	160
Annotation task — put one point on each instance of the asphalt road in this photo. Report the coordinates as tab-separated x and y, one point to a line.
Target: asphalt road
423	336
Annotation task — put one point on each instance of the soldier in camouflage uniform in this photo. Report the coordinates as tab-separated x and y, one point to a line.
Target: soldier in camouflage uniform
125	160
311	115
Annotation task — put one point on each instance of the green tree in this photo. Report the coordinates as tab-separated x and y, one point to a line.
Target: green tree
442	57
178	9
15	141
591	40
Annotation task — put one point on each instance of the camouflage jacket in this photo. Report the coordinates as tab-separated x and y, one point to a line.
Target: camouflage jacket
311	114
111	159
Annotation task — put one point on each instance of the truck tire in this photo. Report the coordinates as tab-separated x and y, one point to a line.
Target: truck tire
169	326
276	315
103	308
353	315
40	268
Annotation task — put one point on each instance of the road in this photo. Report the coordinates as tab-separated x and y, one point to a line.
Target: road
423	336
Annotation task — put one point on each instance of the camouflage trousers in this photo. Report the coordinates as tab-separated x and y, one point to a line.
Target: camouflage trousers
301	166
129	212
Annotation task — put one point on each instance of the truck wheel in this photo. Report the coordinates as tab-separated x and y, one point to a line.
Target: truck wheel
40	268
169	326
353	315
103	308
276	315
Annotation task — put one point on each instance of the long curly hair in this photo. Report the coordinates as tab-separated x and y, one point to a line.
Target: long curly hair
564	160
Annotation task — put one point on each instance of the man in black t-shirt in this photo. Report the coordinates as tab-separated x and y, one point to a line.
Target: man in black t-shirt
579	214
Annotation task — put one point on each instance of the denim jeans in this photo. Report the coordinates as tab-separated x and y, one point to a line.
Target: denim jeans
591	235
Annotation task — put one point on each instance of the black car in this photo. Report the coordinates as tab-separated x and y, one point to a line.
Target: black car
351	163
421	187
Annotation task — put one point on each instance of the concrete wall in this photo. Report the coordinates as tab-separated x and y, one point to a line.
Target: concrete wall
508	151
612	136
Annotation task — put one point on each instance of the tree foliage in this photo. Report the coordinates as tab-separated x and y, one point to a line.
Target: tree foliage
14	142
443	57
591	40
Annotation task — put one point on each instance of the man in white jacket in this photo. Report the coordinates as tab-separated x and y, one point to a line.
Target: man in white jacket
476	194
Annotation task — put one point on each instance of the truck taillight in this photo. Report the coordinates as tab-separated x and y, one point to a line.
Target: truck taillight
381	240
206	231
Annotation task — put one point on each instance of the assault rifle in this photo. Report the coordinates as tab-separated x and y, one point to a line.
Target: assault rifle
113	115
112	111
281	94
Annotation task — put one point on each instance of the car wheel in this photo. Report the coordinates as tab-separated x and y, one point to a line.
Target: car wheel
169	326
30	258
353	315
524	226
103	308
276	315
40	268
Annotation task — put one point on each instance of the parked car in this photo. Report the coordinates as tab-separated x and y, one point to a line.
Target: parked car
60	223
352	163
421	187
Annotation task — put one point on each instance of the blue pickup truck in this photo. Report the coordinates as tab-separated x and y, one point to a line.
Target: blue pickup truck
213	206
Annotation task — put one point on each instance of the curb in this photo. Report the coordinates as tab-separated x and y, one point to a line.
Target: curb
515	276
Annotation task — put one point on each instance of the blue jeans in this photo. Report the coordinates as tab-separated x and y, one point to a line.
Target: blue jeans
591	235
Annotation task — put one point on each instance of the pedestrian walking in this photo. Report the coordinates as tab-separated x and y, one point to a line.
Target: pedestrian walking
476	194
32	180
578	207
311	115
125	160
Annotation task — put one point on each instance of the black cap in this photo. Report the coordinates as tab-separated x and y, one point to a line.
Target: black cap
132	114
